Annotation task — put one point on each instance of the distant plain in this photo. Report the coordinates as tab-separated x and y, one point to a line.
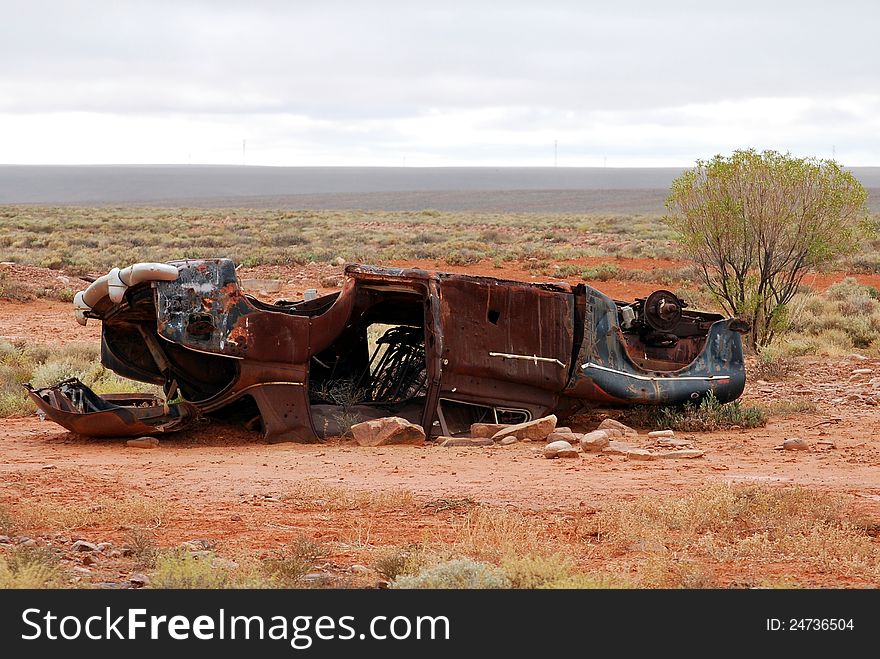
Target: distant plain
486	189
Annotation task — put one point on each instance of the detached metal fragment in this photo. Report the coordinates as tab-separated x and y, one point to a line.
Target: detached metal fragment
440	350
76	407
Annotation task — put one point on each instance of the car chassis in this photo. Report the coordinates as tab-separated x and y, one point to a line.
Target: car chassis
441	350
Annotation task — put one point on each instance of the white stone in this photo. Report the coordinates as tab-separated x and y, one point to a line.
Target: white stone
560	449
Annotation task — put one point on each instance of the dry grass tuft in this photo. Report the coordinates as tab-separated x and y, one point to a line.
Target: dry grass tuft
315	495
102	512
681	538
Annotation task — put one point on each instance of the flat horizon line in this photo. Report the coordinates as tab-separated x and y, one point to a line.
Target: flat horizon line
240	166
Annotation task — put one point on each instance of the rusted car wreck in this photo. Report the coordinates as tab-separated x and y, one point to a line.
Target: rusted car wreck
441	350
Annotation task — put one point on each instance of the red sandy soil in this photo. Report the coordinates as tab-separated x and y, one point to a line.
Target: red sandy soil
224	483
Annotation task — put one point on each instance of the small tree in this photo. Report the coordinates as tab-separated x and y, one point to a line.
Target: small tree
755	223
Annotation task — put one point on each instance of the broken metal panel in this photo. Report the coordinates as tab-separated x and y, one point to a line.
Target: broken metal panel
205	310
76	407
507	331
608	373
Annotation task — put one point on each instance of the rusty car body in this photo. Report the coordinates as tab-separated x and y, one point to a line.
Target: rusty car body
442	350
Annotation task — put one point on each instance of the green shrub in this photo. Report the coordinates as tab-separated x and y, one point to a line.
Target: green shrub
772	364
293	561
400	561
601	272
536	571
460	573
30	567
710	414
180	569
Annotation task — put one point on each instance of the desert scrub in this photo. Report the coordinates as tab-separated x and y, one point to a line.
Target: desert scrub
772	363
601	272
47	514
315	495
537	571
684	538
789	407
846	317
142	546
401	561
491	533
290	563
177	568
709	414
462	573
43	365
80	240
30	567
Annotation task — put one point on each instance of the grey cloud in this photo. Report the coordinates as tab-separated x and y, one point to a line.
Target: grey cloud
370	59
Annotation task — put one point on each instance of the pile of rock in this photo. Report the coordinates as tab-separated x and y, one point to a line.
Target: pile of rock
611	437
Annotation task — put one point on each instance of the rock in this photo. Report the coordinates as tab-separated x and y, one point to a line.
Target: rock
198	544
139	580
671	442
507	441
143	442
104	546
795	444
862	371
5	540
826	443
465	442
618	448
661	433
487	429
223	564
49	466
115	553
560	449
595	441
317	579
82	545
534	431
564	429
639	454
89	559
613	424
681	453
359	569
388	431
330	282
235	518
339	261
565	436
112	585
81	570
27	542
261	285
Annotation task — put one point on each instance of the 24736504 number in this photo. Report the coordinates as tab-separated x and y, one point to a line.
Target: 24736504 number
820	624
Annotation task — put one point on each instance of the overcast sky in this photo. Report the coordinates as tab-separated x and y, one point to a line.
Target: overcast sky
322	82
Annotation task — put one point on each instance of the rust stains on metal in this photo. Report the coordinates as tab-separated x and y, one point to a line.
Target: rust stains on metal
442	350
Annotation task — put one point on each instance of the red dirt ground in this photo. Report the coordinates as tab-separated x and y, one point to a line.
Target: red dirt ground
224	483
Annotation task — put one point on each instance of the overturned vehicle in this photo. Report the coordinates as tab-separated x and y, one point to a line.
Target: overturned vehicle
441	350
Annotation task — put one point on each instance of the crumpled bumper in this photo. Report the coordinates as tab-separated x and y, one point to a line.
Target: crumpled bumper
74	406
